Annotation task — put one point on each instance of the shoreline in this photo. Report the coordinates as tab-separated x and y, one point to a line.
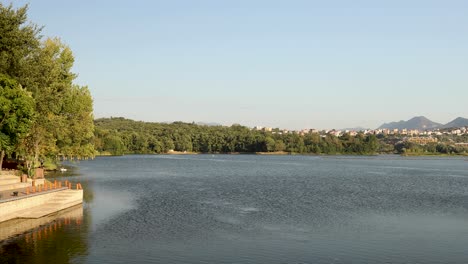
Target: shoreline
283	153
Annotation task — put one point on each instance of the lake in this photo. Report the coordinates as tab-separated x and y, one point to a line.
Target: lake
257	209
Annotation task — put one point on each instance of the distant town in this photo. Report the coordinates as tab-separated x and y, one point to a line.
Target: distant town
410	135
418	130
383	131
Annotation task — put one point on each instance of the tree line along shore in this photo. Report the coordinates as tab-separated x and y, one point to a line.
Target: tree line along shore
118	136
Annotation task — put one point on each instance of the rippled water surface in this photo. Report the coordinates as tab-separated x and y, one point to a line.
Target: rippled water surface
257	209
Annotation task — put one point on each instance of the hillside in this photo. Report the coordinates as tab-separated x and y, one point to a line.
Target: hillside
418	122
457	122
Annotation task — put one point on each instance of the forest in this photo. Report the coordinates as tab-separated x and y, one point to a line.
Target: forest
119	136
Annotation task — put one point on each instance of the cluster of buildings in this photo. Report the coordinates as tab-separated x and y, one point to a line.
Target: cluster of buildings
396	135
383	131
416	132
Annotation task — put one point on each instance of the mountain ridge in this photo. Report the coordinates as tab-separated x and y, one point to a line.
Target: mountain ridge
423	123
457	122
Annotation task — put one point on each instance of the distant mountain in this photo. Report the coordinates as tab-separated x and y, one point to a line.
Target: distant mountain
418	122
457	122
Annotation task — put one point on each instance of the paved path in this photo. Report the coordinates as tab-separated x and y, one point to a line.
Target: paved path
9	193
10	184
63	199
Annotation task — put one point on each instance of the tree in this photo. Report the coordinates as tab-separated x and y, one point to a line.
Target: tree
16	115
269	144
114	145
77	117
279	145
64	123
17	42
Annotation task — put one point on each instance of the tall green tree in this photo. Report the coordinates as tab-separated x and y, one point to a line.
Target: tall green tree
16	115
19	39
269	144
64	123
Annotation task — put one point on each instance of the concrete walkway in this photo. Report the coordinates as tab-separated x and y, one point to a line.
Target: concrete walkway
61	200
33	205
40	204
7	194
10	184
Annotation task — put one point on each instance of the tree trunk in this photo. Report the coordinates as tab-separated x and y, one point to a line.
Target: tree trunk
2	154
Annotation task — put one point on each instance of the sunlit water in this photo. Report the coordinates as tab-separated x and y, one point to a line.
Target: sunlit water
258	209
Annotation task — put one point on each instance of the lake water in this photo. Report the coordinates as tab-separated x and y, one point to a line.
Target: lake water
257	209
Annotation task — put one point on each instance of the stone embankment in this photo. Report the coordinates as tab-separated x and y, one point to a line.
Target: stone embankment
43	225
32	200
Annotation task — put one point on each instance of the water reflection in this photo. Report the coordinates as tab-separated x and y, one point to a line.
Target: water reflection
30	240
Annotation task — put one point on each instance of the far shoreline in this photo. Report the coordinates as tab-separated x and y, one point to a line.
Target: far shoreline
283	153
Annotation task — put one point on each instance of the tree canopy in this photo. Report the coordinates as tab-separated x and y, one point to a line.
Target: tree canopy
16	115
119	135
63	124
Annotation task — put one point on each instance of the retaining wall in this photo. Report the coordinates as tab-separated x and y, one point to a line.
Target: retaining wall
13	208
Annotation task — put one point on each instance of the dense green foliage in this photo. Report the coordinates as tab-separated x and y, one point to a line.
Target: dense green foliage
446	145
63	123
120	135
16	115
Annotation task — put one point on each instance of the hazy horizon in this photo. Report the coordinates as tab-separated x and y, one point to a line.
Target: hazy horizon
273	126
292	65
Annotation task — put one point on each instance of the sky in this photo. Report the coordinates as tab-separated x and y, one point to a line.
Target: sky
288	64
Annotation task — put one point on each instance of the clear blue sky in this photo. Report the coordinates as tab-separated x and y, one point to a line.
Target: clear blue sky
289	64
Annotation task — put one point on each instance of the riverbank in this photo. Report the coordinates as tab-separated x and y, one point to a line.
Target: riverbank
433	155
284	153
35	198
